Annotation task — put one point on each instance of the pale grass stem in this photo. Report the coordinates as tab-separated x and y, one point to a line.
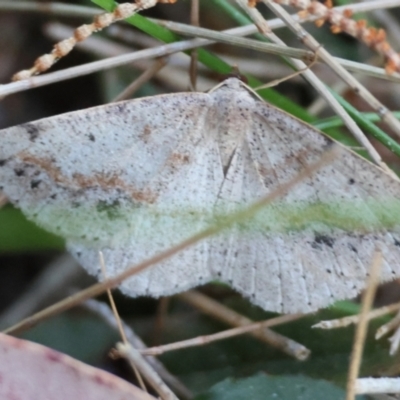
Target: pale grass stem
362	326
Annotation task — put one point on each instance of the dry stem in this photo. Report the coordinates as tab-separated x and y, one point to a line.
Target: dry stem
225	314
361	330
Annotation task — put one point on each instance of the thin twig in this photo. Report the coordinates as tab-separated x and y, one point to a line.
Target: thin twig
68	10
63	9
134	356
225	314
114	307
164	50
119	323
362	326
312	78
202	340
386	328
141	80
195	21
69	73
51	8
394	341
234	37
356	86
319	104
377	385
354	319
339	22
104	48
102	310
293	75
61	49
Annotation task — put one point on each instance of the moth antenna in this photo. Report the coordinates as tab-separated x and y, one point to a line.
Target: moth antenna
343	22
61	49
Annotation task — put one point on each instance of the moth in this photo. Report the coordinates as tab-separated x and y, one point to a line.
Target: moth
133	178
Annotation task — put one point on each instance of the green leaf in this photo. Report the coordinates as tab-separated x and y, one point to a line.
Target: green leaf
18	234
368	125
264	387
81	335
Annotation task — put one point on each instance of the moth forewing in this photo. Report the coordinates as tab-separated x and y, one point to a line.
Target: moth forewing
134	178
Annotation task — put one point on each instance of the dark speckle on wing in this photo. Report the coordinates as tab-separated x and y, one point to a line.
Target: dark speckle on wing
19	171
32	130
352	248
35	183
328	143
111	209
320	240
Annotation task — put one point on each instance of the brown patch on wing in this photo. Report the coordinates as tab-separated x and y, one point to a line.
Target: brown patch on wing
177	159
46	164
145	135
112	182
103	180
267	174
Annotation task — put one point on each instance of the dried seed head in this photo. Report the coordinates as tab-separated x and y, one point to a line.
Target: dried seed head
44	62
82	33
21	75
342	22
62	48
319	22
